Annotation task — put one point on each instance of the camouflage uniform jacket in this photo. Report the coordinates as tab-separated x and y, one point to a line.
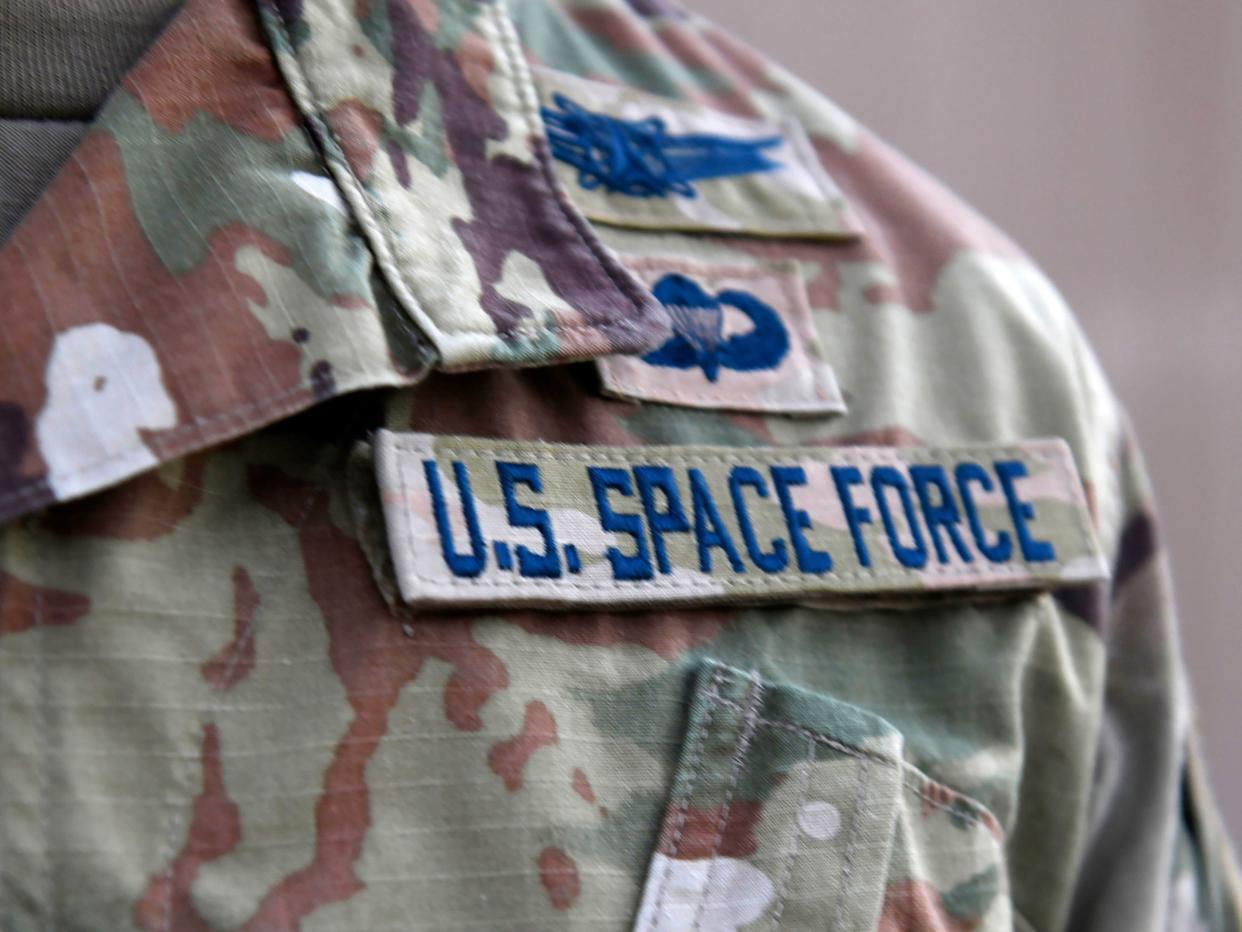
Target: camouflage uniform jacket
335	292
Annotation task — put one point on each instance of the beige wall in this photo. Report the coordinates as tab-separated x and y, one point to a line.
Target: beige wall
1106	137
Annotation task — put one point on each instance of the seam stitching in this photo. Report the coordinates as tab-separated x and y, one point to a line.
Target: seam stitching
713	698
791	852
381	238
749	720
623	281
847	865
912	780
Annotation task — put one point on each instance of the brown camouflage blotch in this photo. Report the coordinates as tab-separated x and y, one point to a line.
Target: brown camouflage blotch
262	369
16	432
428	12
667	635
882	293
911	223
477	62
1139	544
214	831
582	785
144	508
688	46
1090	603
656	7
935	797
745	63
236	659
623	34
880	437
702	835
938	797
358	128
515	208
212	58
508	758
215	354
465	403
913	906
373	660
559	875
24	606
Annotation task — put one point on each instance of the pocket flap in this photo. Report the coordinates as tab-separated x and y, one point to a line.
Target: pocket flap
792	809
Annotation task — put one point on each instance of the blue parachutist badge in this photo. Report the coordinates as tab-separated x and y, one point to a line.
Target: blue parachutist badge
698	330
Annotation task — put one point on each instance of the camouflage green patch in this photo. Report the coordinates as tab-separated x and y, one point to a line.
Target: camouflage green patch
484	522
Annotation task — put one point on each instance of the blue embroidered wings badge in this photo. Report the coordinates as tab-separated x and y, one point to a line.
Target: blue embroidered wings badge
640	158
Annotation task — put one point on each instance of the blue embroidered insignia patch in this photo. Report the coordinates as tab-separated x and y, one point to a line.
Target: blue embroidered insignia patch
698	324
475	522
632	159
641	158
743	339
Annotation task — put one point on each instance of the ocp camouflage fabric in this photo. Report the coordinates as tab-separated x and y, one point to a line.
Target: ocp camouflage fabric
300	223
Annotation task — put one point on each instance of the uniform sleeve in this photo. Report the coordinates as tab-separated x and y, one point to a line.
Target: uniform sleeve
1156	856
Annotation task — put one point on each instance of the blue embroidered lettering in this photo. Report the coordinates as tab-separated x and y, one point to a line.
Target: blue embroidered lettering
546	565
470	564
624	566
856	516
886	477
476	523
671	520
709	530
999	550
1033	550
504	558
939	516
775	559
809	559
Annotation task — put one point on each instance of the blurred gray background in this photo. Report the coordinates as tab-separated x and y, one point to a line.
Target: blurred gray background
1106	137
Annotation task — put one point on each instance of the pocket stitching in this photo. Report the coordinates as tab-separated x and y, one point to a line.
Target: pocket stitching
683	805
851	844
913	780
791	851
750	722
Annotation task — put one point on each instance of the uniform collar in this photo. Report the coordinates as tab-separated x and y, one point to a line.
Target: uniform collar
287	200
242	234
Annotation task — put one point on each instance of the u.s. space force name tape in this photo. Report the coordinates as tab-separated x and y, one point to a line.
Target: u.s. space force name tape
475	522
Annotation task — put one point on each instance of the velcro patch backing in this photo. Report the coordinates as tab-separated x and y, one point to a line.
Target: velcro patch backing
474	523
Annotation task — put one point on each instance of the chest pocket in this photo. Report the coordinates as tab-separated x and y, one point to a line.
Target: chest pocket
791	810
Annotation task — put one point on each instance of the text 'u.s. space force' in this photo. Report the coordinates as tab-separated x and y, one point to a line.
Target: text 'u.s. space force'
925	512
